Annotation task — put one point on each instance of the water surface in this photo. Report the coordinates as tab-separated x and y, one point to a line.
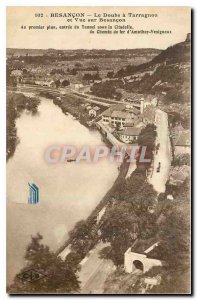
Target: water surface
68	192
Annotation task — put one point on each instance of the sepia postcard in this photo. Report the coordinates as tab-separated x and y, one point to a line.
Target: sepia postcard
98	150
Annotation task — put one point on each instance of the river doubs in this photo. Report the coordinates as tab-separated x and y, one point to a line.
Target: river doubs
68	191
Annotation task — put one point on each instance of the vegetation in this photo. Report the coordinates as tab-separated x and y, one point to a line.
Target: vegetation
57	71
147	138
120	283
173	232
182	159
10	80
175	243
16	104
179	53
91	77
110	74
84	237
58	274
65	83
107	89
127	215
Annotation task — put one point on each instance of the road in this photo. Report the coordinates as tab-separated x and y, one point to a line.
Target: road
163	155
94	271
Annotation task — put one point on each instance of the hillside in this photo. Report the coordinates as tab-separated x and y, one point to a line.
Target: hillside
178	53
167	76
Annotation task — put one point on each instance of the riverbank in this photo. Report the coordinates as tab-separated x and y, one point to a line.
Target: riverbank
72	104
123	169
16	104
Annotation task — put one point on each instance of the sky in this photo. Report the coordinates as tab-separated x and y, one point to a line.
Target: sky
174	19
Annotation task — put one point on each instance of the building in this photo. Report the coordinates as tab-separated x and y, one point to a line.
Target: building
85	89
48	83
138	256
100	214
120	114
93	112
87	106
150	282
182	142
188	38
152	101
129	134
76	85
63	254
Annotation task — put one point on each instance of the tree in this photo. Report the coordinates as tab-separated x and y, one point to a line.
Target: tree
65	83
118	226
73	72
110	74
57	83
147	138
83	238
87	77
58	276
174	248
10	80
78	65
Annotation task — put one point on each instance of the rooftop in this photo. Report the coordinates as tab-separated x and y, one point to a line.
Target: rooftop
183	138
120	111
145	246
132	131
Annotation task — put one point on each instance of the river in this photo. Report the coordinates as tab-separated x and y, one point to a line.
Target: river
68	192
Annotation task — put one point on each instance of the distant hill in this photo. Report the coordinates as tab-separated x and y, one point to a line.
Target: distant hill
178	53
150	53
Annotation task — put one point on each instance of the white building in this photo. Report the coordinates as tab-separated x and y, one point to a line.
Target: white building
76	85
138	258
100	214
120	114
129	134
93	112
87	106
48	83
182	142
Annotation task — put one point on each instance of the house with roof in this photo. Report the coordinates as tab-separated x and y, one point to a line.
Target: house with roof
93	112
76	85
182	142
120	114
142	255
87	106
129	134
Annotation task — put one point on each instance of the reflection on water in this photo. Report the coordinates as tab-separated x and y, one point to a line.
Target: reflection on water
68	192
